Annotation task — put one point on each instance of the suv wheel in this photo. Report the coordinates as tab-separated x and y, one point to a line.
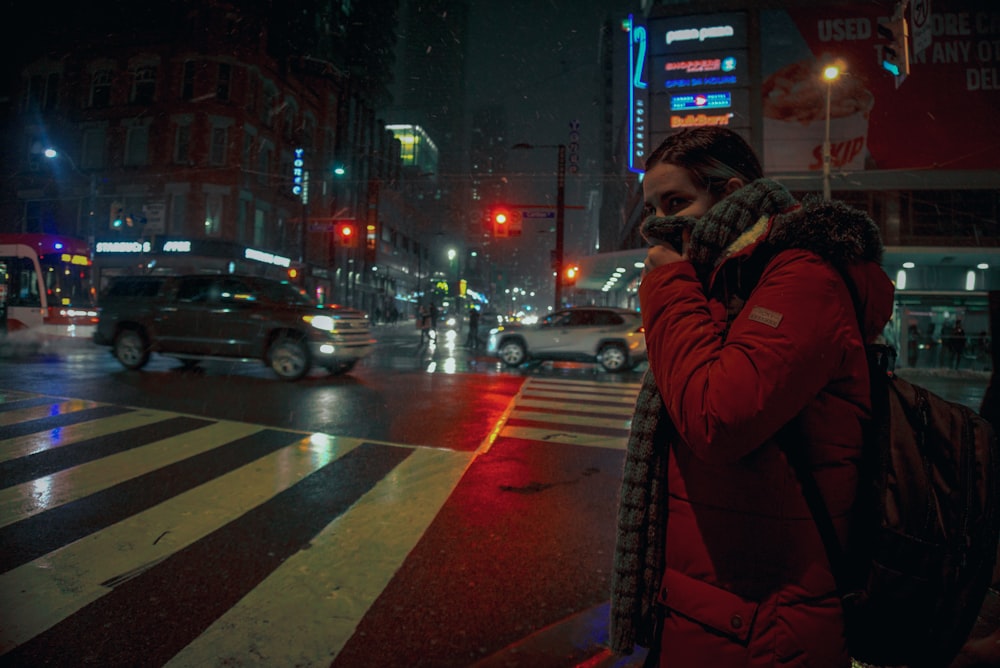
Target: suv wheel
289	358
130	349
613	358
512	352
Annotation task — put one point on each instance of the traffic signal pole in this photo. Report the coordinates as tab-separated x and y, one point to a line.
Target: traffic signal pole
557	254
560	223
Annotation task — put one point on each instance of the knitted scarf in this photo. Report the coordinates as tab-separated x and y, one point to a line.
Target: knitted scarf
639	554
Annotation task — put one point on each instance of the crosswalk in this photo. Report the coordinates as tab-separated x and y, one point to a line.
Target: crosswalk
573	412
190	541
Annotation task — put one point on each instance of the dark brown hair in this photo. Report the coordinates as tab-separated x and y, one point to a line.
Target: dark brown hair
712	156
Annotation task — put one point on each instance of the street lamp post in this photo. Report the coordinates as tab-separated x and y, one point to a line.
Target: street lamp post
52	154
830	73
557	260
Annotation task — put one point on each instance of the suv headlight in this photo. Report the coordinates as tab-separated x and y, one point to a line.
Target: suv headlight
323	322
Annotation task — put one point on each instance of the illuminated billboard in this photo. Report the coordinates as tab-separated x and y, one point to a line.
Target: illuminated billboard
702	70
699	74
942	116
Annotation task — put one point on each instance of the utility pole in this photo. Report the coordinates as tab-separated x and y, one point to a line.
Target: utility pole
560	223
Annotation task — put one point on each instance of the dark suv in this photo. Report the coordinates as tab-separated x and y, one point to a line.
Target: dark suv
229	317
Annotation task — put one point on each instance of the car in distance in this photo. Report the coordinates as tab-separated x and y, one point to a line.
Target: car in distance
611	337
229	316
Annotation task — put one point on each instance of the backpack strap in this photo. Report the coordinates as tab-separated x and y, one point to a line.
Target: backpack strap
787	439
880	361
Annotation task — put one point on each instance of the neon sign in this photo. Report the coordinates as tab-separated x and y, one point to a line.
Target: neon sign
722	100
176	246
637	92
122	247
699	120
688	34
725	66
692	66
298	171
268	258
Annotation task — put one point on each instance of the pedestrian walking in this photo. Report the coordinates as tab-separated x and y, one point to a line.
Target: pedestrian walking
433	312
754	348
424	324
956	344
472	340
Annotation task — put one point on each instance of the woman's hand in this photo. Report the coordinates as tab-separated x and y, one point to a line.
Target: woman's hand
661	254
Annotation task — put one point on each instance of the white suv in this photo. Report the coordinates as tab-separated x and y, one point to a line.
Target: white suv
612	337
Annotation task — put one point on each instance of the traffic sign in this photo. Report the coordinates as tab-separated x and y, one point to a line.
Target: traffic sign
539	214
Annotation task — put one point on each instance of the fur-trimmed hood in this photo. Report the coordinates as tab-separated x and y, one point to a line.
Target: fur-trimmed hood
845	237
762	219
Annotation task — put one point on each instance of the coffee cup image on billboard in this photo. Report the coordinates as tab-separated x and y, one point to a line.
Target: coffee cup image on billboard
795	119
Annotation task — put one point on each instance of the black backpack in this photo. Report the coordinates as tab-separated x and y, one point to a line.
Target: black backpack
927	520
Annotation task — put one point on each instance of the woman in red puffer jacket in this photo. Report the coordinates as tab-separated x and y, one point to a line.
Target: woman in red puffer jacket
754	347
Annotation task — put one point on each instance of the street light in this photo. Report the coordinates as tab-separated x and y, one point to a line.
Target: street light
53	153
560	214
830	73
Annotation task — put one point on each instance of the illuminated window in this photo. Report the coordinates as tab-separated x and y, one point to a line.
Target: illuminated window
213	214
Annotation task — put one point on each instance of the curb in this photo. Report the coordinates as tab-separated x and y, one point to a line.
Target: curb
579	641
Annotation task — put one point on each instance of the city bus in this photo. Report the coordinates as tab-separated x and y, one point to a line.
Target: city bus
45	288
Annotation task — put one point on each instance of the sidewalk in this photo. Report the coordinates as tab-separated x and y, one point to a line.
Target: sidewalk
579	641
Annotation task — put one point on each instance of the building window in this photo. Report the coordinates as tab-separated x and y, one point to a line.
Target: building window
213	214
246	160
308	137
41	87
263	164
246	157
94	145
217	151
137	146
178	214
289	122
270	105
222	85
187	82
242	221
100	89
253	88
143	84
51	91
182	145
259	228
35	92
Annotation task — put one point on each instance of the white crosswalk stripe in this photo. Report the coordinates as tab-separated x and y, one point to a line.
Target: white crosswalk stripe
570	412
348	563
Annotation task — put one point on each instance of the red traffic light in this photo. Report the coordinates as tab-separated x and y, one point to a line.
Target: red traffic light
499	219
347	235
570	274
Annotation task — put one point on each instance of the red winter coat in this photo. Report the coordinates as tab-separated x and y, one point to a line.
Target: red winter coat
747	579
